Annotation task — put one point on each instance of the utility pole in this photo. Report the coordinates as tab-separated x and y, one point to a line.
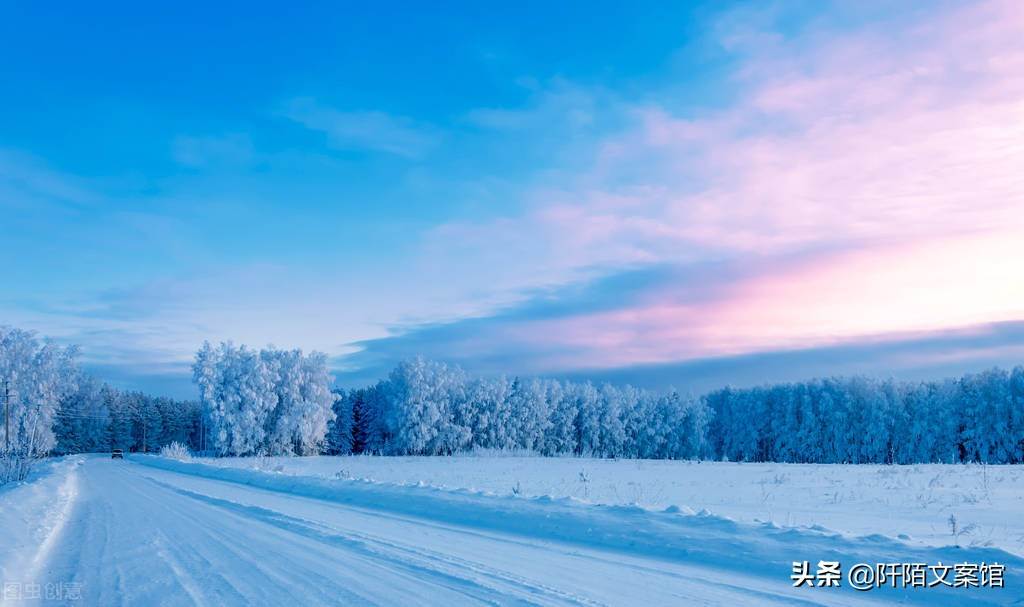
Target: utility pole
7	416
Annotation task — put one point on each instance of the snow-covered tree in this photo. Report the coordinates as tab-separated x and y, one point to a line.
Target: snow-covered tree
260	402
611	407
37	376
560	436
486	412
82	419
299	420
340	431
421	397
528	414
267	401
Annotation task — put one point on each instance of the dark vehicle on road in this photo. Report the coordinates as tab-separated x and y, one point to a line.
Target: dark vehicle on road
117	454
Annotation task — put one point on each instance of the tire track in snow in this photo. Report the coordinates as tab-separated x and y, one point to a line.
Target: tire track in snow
56	519
761	596
293	528
216	539
369	546
423	558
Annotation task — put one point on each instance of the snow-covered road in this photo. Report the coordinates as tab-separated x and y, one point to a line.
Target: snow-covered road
138	534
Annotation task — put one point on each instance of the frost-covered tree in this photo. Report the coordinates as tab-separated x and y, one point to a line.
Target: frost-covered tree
178	421
82	419
528	413
120	429
298	422
560	435
38	375
976	418
267	401
370	430
276	401
1015	440
236	386
611	406
587	425
364	416
486	412
421	397
147	424
340	438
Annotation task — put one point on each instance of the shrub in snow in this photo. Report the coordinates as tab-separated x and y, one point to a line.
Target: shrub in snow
176	450
514	452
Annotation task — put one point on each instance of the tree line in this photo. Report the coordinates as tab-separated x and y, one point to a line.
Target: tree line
276	402
96	417
975	418
428	408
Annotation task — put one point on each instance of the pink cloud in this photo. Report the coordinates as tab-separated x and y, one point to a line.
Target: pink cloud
887	291
901	149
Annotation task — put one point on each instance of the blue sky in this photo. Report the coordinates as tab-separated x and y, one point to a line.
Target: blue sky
692	195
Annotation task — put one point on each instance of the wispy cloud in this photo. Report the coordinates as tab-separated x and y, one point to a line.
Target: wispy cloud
928	355
365	130
207	151
890	156
616	330
556	105
873	135
27	182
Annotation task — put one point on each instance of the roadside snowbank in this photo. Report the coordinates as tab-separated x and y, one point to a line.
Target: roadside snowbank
32	514
757	549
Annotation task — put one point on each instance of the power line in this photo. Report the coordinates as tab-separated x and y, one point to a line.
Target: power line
66	416
68	413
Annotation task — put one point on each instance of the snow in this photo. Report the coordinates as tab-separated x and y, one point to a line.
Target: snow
32	514
914	501
258	531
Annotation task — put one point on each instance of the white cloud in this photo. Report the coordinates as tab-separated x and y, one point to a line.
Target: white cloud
365	130
210	151
892	140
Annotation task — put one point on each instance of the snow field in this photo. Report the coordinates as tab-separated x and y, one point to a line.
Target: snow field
911	503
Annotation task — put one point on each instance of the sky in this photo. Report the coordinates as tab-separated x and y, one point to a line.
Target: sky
696	195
